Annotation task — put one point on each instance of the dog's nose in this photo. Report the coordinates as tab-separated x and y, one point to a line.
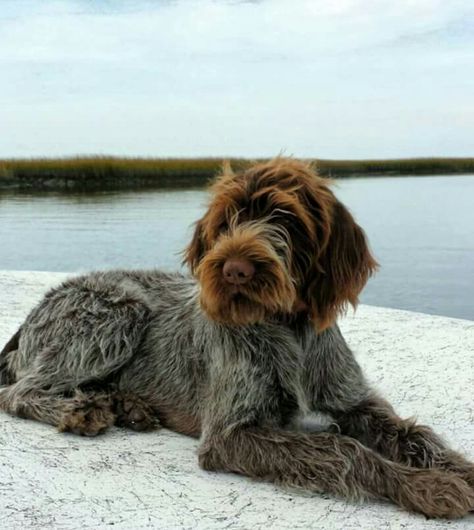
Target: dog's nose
238	271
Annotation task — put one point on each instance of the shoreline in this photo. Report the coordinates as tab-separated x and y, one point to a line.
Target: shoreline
116	173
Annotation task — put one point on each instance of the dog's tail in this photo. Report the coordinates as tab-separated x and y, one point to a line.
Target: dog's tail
6	377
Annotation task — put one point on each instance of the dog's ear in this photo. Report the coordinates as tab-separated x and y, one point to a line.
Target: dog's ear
341	269
205	228
196	249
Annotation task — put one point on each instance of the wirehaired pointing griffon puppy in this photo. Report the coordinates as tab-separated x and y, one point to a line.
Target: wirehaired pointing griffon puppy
233	354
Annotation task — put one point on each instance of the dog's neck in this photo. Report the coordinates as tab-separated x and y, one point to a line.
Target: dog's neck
294	319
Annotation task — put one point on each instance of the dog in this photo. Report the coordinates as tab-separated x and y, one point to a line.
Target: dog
235	352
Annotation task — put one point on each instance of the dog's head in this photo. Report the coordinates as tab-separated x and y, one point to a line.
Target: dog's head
276	241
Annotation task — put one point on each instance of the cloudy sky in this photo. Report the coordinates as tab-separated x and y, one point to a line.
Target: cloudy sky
329	79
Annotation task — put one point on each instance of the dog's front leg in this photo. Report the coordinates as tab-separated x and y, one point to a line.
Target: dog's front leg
242	433
337	465
339	387
374	422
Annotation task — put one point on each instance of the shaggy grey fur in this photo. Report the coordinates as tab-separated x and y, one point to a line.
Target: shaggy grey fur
122	347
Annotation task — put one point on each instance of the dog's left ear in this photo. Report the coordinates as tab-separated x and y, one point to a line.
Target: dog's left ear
195	250
340	271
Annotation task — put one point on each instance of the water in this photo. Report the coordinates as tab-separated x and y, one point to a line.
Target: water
421	230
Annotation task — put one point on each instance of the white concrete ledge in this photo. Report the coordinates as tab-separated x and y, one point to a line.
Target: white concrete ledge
423	364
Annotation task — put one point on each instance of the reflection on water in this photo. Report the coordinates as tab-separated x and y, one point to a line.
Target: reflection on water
421	231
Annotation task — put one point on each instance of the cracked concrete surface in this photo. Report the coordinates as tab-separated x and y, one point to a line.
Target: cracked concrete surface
424	364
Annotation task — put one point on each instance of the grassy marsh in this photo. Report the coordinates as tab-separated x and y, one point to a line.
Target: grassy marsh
97	172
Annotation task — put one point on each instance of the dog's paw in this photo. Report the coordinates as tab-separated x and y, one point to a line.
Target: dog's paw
437	494
87	415
133	413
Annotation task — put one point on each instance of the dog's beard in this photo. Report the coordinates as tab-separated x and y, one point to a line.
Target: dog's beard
271	291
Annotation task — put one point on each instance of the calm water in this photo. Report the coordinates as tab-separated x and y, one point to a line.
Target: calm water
421	230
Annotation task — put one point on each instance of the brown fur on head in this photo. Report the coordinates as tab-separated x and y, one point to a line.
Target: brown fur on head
308	252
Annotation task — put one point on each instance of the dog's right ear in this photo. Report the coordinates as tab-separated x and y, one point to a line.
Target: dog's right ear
196	249
215	214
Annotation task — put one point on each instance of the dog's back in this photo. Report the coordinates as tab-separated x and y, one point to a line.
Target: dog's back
6	377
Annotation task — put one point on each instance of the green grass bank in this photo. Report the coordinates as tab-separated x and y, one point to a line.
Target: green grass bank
95	173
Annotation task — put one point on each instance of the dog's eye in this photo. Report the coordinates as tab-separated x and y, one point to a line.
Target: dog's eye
284	220
281	218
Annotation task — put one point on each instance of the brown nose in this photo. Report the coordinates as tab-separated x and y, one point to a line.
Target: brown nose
238	271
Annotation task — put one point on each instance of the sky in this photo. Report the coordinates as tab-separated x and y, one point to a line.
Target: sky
310	78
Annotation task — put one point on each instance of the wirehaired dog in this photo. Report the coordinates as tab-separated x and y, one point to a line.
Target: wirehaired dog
234	353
